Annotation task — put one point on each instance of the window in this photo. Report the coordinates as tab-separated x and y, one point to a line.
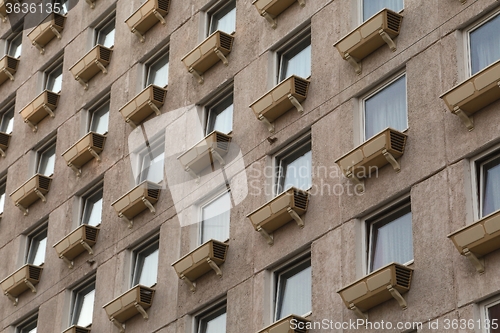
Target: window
390	238
489	185
223	18
62	5
212	321
14	45
28	327
53	79
37	242
99	119
105	34
215	219
83	305
294	167
46	158
490	315
293	290
7	121
484	44
295	58
2	195
220	116
371	7
386	107
92	207
152	162
146	265
157	71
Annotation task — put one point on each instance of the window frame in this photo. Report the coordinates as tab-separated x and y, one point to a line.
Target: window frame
218	8
154	145
12	38
164	52
28	324
211	108
103	24
9	107
209	314
475	180
93	191
375	91
293	44
77	297
148	245
58	64
361	18
106	101
206	202
483	310
40	151
31	238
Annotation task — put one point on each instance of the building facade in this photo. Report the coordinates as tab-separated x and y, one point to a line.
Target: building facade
240	150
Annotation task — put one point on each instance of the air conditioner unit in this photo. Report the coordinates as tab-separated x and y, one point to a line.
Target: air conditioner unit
384	148
8	67
203	154
95	61
473	94
141	197
33	189
42	106
287	206
378	30
269	9
77	329
4	142
50	28
478	239
26	277
208	256
84	150
148	101
135	301
216	47
286	95
377	287
285	325
79	240
144	18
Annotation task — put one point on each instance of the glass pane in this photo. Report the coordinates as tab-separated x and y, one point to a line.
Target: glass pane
298	172
224	20
491	194
29	328
485	45
297	62
371	7
36	253
54	80
387	108
158	72
147	267
220	117
47	161
33	330
494	313
392	240
100	120
294	292
106	35
15	46
7	122
93	209
63	5
152	170
86	308
216	216
215	325
2	198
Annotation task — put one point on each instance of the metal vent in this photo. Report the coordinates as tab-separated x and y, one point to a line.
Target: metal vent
59	21
81	330
164	5
146	296
12	63
300	199
105	54
301	87
219	251
159	95
403	276
44	182
91	234
398	141
4	139
153	193
34	273
52	98
226	42
97	141
222	142
393	22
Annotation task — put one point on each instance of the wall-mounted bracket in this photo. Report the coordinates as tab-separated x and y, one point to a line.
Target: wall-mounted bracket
159	17
101	67
30	285
302	3
296	217
78	172
478	263
214	267
9	74
149	205
217	156
131	123
193	174
13	299
54	30
463	2
142	39
33	127
48	110
197	75
358	312
269	19
83	83
126	220
269	125
387	39
91	3
2	153
119	325
388	156
192	285
466	120
154	108
355	64
295	103
40	195
4	18
39	47
24	210
141	311
67	261
397	296
269	238
94	154
87	247
350	175
221	56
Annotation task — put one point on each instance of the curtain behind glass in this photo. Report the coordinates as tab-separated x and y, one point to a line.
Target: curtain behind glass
298	172
215	325
147	269
224	21
15	46
298	64
371	7
86	309
93	210
295	293
158	72
491	195
7	122
223	121
216	216
47	161
106	36
37	251
387	108
100	120
392	242
2	199
494	313
54	81
153	170
485	45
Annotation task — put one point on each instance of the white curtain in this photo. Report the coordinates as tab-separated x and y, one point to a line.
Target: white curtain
223	121
491	195
86	310
387	108
226	23
216	325
216	216
153	170
485	45
2	201
148	269
299	64
39	246
298	172
295	294
371	7
158	72
393	242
